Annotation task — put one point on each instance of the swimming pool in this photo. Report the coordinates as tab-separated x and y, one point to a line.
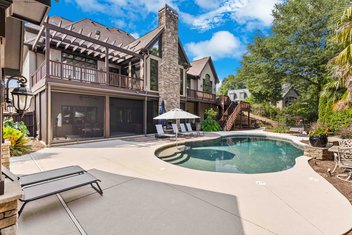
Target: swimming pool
234	154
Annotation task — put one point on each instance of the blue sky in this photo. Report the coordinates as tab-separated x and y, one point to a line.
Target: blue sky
219	28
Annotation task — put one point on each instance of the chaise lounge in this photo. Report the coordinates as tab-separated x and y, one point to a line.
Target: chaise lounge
48	183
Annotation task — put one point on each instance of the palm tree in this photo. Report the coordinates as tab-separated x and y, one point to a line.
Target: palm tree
342	63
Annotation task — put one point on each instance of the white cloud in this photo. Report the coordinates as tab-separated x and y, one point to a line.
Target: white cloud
254	12
222	44
208	4
135	35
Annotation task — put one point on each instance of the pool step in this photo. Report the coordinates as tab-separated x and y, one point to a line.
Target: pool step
178	158
183	158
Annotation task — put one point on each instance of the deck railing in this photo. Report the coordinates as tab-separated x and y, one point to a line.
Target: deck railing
199	95
70	72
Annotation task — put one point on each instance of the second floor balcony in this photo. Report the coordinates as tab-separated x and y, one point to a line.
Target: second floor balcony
68	72
200	96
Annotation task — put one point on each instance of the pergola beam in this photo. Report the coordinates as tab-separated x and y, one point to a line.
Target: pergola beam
91	40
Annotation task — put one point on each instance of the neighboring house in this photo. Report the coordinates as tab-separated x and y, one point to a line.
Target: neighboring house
289	95
201	85
92	81
238	94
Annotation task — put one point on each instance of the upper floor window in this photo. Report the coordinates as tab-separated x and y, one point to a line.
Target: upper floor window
181	57
78	60
156	48
181	81
207	84
154	74
243	95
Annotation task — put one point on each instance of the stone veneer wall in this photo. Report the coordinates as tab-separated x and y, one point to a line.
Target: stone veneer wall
5	154
9	201
169	73
8	217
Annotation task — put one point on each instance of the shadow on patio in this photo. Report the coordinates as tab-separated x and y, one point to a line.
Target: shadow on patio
134	206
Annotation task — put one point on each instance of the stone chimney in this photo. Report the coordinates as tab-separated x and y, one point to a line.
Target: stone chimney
169	74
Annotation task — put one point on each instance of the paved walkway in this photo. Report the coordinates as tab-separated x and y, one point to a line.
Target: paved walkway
144	195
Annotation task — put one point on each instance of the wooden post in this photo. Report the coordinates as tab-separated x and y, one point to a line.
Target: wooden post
249	119
129	84
47	52
107	65
141	72
107	117
145	115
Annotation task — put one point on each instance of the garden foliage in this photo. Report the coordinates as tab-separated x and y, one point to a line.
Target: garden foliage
210	123
17	134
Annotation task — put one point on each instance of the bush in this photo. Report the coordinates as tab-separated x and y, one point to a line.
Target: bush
346	133
279	129
209	123
16	133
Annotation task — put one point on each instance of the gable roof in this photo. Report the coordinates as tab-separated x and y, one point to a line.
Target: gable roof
286	88
145	41
199	65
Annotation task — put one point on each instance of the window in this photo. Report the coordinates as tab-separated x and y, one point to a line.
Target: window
289	100
207	84
156	48
114	70
181	82
154	67
188	83
243	95
78	60
181	58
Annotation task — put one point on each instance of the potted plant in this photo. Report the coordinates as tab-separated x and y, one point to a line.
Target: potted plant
318	137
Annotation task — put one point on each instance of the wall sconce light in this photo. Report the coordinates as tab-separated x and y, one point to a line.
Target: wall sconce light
21	96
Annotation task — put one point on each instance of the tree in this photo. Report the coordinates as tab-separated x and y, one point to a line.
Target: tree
342	63
232	82
296	52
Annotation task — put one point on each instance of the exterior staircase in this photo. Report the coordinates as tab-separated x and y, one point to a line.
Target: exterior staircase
228	119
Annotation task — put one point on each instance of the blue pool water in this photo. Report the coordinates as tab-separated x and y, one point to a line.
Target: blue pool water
234	154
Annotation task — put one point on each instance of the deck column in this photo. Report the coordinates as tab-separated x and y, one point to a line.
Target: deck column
107	117
141	71
145	115
47	52
107	65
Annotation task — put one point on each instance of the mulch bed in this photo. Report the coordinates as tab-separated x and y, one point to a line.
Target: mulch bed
36	145
321	168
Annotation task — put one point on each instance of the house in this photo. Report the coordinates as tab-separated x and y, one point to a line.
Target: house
201	85
238	94
92	81
289	95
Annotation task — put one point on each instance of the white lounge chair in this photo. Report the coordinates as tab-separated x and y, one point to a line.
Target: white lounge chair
160	132
189	127
176	131
184	130
343	159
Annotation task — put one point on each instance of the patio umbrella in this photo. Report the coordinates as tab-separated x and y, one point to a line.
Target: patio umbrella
176	114
162	111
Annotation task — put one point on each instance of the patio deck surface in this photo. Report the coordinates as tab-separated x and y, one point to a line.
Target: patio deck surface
144	195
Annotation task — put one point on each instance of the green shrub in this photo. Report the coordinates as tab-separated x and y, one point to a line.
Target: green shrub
16	133
279	129
210	123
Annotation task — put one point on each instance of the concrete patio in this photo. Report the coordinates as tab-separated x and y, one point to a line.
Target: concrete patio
144	195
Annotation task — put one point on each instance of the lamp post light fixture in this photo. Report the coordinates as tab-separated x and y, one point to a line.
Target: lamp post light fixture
33	11
21	96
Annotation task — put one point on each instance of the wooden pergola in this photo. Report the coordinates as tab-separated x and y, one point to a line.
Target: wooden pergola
56	35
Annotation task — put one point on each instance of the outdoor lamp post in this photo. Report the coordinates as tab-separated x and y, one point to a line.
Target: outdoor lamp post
33	11
21	96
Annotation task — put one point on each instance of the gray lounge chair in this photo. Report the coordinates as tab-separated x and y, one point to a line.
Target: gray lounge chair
176	131
160	132
189	127
184	130
39	177
42	189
